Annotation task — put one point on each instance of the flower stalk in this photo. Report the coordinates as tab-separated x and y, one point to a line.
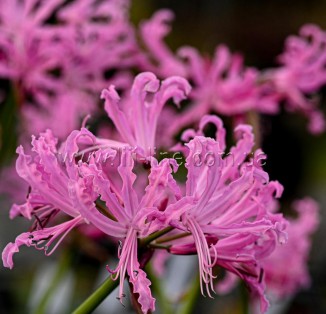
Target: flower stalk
97	297
154	236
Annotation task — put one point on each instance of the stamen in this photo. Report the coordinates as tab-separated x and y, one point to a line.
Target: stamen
85	120
204	257
39	221
119	249
111	271
128	250
72	224
120	299
261	275
29	190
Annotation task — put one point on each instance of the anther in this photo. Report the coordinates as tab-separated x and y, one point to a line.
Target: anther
120	299
261	274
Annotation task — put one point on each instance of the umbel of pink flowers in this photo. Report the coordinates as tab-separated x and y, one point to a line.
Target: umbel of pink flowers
34	35
224	212
224	85
47	51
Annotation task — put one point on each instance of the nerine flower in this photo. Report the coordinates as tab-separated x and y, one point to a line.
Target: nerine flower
227	210
302	73
136	117
133	218
158	57
49	173
222	84
47	51
68	184
286	281
100	28
25	53
34	35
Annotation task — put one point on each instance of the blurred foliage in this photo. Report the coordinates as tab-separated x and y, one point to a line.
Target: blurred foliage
8	126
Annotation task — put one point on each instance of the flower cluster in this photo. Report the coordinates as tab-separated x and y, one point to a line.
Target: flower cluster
286	281
222	84
224	214
282	281
119	181
34	37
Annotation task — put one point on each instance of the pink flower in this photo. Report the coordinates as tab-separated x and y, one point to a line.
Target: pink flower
136	117
28	50
222	83
152	33
31	51
56	92
227	210
302	73
61	113
133	218
61	186
48	174
100	28
286	281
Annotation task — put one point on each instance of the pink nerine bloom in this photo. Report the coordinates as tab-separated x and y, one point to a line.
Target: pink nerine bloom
222	83
131	218
302	73
286	281
31	50
227	210
47	51
28	49
136	117
73	183
152	33
48	175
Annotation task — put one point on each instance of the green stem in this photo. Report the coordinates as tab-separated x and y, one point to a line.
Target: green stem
190	300
62	269
173	237
98	296
253	118
105	211
159	246
154	236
